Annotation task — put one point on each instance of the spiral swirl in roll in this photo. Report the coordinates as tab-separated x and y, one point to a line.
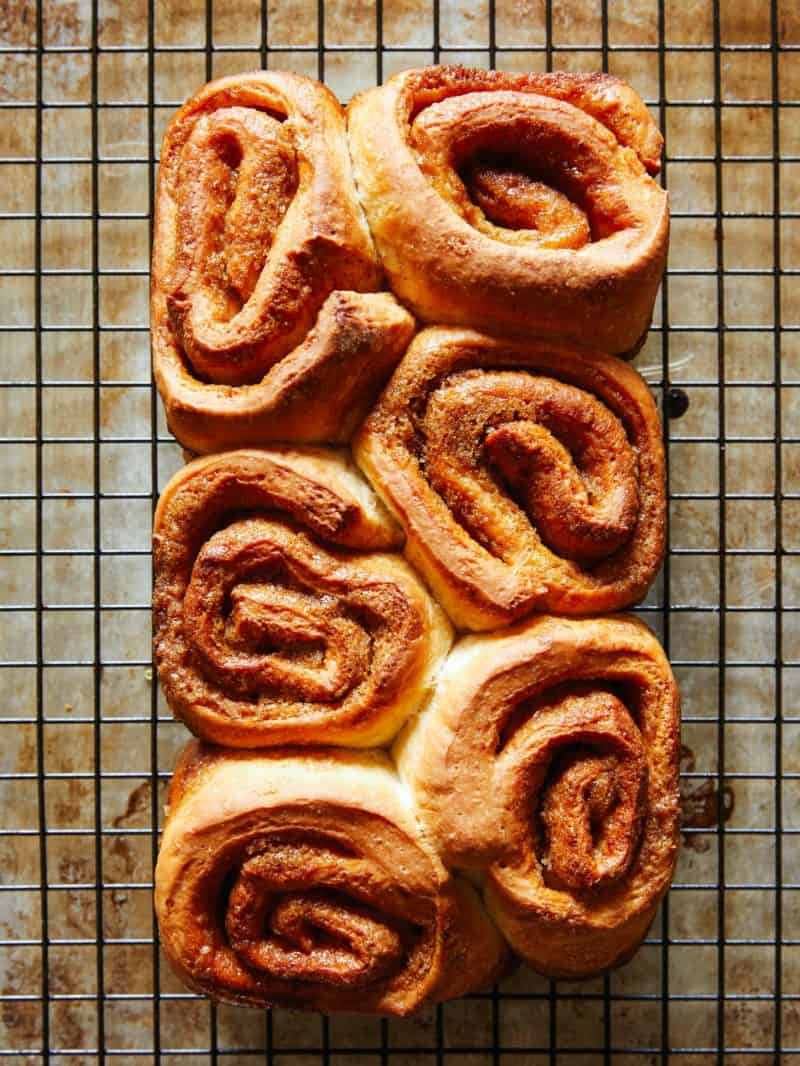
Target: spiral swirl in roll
280	616
528	476
515	202
547	762
303	880
264	319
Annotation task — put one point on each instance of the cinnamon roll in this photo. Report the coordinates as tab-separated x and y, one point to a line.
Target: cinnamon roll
281	615
515	202
528	476
547	763
264	320
302	879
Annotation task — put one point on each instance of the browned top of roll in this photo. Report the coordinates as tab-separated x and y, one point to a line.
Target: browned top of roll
303	880
278	618
515	202
264	269
548	760
257	221
527	475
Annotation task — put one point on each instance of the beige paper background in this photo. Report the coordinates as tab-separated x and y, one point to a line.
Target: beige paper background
101	736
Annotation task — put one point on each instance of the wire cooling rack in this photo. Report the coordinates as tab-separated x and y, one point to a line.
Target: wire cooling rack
86	745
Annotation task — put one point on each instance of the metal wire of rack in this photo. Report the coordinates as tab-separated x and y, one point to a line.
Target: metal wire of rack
87	744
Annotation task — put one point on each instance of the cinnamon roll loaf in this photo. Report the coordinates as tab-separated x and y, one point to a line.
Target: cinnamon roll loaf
264	320
515	202
281	615
303	880
528	476
547	763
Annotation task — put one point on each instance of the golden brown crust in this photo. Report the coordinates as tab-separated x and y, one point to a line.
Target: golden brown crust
455	259
547	761
264	323
303	879
528	476
280	616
